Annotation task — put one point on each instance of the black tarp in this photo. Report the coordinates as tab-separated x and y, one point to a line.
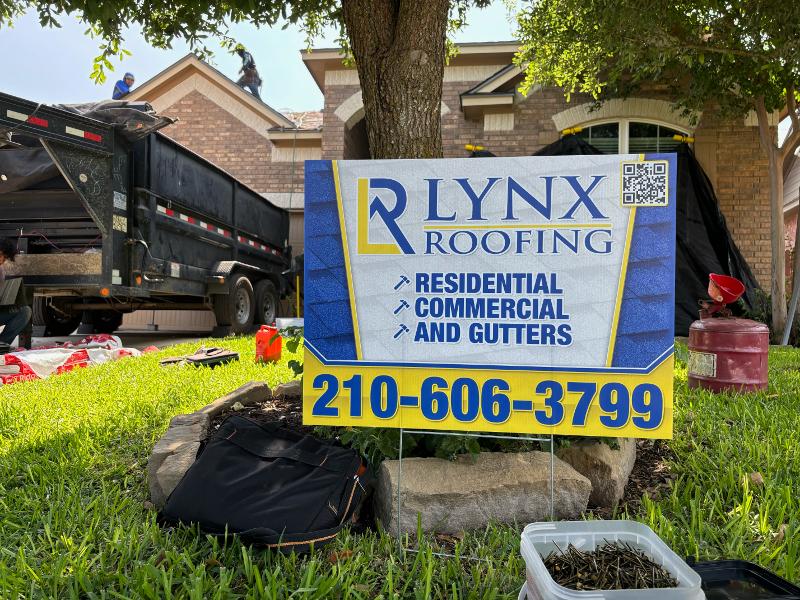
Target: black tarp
26	164
703	243
133	120
24	168
481	154
569	145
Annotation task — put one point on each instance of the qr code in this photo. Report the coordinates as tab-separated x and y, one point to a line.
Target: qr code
645	183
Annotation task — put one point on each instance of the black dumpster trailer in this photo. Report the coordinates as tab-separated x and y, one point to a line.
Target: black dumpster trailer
115	218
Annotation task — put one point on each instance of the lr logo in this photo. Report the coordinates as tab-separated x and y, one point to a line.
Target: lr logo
369	210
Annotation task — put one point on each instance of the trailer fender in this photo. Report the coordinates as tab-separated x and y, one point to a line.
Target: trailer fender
222	271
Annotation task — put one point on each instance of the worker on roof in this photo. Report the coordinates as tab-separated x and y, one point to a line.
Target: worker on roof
123	86
250	78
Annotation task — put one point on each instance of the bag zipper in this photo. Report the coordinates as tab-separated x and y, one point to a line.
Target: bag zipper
356	483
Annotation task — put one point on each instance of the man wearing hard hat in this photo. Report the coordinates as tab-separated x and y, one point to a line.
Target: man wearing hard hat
250	78
123	86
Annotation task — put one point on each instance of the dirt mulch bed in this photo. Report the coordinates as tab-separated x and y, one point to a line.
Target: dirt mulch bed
651	476
287	410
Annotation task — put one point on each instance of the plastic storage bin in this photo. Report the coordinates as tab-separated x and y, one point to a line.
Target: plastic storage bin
742	580
540	539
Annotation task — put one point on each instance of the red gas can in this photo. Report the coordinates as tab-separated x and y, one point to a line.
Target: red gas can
268	344
728	354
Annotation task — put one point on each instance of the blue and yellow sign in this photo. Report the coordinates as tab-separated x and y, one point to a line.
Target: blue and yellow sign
524	295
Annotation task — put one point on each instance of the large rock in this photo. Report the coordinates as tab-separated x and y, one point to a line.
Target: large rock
249	393
177	449
290	389
453	496
608	469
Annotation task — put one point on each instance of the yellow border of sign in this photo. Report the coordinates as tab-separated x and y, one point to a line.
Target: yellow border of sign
623	274
346	250
521	385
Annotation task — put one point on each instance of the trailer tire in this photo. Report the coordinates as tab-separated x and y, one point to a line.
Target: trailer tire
237	308
54	322
105	321
266	302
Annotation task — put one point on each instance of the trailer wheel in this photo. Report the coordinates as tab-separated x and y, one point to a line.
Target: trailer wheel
237	308
266	302
56	322
105	321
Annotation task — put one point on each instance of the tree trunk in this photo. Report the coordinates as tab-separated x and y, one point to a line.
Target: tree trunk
399	50
796	262
778	242
779	308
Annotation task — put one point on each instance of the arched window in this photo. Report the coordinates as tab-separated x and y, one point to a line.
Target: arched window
627	136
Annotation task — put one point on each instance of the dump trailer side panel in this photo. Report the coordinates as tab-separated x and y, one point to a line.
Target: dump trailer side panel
171	172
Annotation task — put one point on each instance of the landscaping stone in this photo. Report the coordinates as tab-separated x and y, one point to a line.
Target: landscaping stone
177	449
290	389
453	496
608	469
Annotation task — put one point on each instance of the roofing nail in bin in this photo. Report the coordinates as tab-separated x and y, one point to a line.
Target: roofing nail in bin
540	539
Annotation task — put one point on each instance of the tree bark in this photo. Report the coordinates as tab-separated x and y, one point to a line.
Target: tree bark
778	242
789	147
399	50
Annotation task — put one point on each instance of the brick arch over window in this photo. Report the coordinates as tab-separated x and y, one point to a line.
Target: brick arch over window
351	111
631	108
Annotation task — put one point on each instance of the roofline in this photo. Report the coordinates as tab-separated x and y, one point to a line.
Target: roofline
496	99
284	133
255	104
160	74
501	47
315	56
491	83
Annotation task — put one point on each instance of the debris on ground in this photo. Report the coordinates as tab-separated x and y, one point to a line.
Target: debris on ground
288	410
53	359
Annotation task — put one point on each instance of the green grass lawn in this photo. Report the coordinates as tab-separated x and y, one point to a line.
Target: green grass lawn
73	523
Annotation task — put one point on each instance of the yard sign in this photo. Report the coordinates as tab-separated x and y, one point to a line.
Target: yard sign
525	295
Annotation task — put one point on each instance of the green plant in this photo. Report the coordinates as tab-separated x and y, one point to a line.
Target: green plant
294	338
378	444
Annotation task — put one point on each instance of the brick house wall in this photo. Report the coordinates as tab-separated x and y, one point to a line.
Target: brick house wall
729	151
533	125
739	171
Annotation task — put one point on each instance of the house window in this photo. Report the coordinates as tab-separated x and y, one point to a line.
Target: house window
631	137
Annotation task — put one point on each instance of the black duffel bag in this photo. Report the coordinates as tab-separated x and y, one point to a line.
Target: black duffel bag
272	486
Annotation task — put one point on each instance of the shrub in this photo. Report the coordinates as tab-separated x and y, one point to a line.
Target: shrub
378	444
